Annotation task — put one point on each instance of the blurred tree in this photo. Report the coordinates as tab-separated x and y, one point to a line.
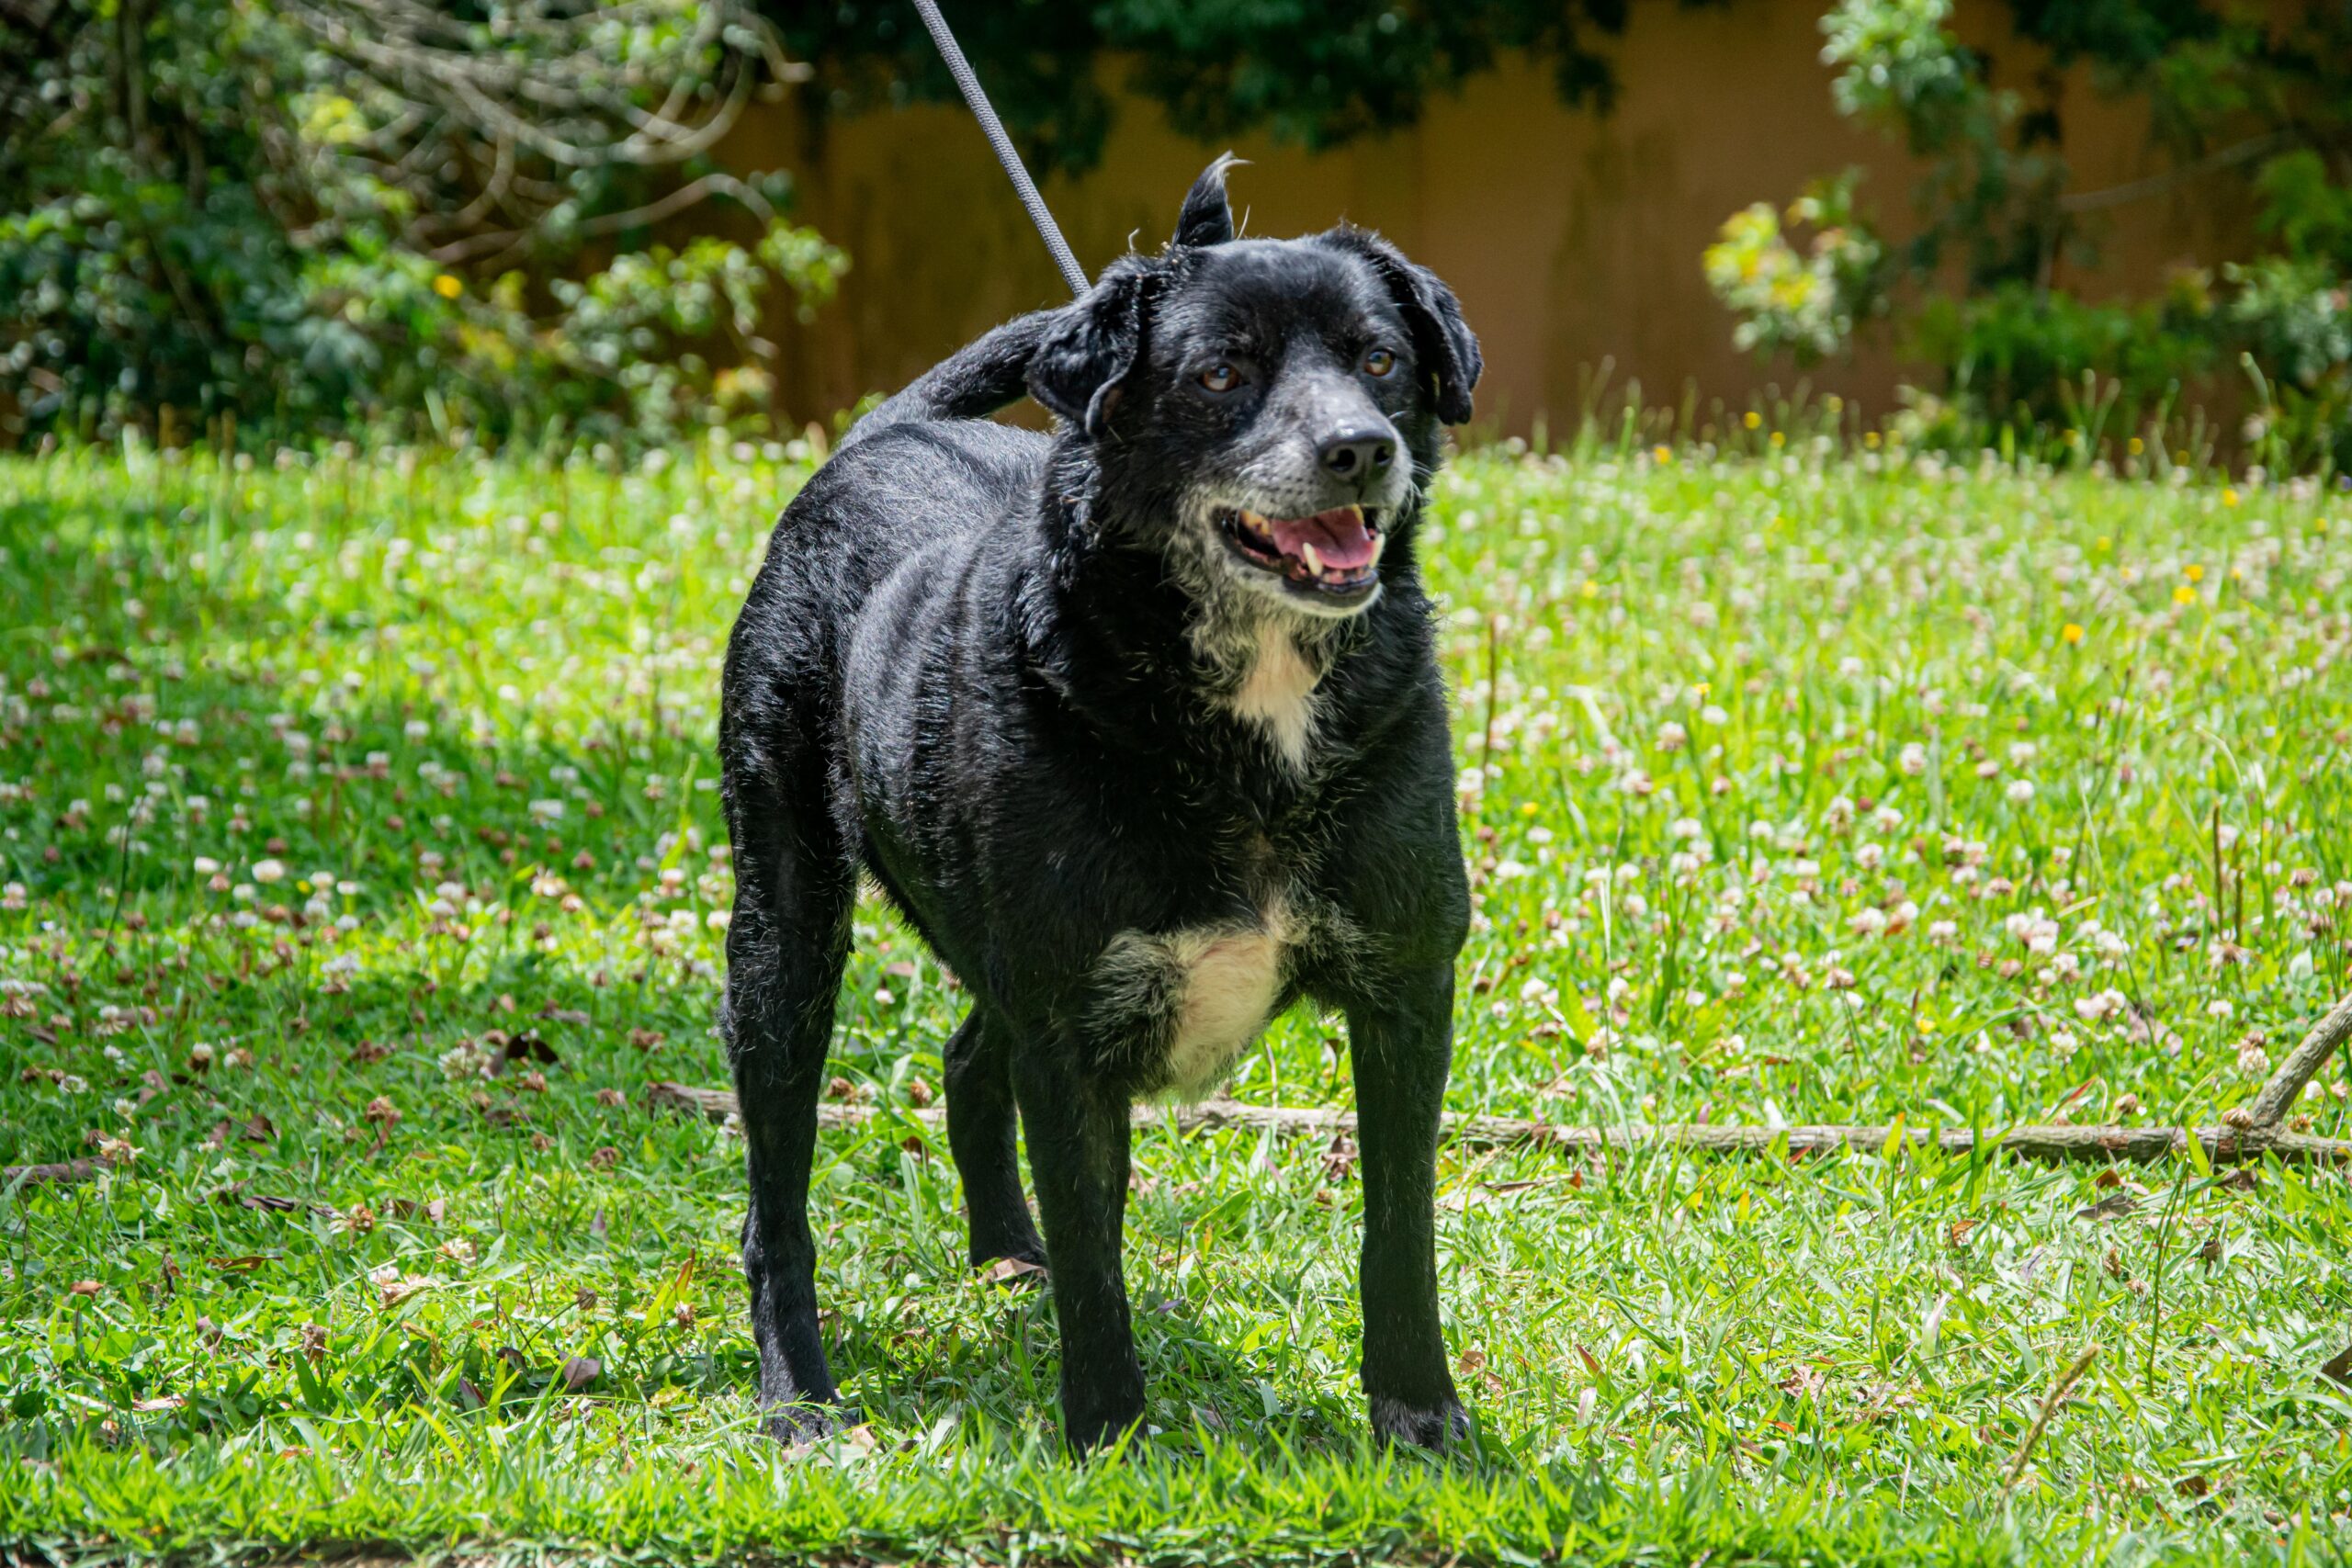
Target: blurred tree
314	215
1313	71
2000	219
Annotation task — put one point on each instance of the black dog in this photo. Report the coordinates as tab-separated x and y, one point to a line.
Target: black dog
1141	728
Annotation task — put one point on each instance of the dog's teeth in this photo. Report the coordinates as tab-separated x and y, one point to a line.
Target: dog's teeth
1313	558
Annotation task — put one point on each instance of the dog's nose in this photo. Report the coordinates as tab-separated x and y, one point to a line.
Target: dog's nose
1358	456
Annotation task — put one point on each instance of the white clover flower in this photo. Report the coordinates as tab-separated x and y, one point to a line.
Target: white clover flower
2019	792
207	866
269	871
1913	760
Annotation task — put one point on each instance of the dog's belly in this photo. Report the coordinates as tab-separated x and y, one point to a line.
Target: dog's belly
1193	999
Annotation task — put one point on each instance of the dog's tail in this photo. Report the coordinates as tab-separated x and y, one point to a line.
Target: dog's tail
971	383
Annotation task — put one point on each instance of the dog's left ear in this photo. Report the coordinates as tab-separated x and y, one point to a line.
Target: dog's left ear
1442	341
1207	216
1084	356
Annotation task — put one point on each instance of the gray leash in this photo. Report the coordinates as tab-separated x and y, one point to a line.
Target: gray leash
969	85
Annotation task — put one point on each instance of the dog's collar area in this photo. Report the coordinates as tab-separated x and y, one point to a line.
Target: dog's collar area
1332	555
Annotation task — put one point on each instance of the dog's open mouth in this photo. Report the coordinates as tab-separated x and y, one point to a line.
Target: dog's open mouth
1335	553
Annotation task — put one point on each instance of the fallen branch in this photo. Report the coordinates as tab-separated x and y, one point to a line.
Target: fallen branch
2058	1391
2136	1144
34	1175
2286	1085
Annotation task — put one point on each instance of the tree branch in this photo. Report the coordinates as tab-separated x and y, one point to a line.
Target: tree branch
2286	1085
2140	1145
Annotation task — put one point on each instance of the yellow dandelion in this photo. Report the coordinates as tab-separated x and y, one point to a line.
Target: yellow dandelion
1527	809
1663	453
2184	595
2135	446
2071	632
1592	589
1779	439
2229	498
1704	688
2195	573
1870	439
1751	419
448	286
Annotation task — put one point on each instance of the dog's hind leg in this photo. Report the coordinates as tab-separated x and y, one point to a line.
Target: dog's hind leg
1078	1153
981	1121
785	947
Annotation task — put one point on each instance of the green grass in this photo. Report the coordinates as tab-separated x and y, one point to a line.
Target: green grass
1801	802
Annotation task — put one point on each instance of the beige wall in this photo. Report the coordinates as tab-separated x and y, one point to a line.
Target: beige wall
1573	239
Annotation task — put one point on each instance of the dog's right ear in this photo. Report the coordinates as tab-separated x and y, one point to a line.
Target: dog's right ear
1084	356
1207	216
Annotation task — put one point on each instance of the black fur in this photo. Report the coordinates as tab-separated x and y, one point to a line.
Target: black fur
1024	684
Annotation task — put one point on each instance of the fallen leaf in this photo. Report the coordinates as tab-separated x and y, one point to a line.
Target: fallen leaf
2340	1369
2111	1208
161	1402
529	1047
244	1263
1005	1268
581	1370
572	1016
1591	1361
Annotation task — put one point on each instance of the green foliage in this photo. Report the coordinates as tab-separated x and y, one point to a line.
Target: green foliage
1818	790
1805	305
1314	73
1997	202
269	212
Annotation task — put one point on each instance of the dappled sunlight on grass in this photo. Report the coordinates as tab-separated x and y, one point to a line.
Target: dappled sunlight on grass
360	866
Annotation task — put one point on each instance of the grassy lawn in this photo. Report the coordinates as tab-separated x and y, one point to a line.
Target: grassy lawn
362	863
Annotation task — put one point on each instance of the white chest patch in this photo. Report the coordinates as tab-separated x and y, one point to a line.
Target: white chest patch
1277	694
1216	987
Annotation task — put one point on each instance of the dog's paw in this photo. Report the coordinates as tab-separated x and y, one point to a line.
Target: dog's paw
1435	1426
802	1422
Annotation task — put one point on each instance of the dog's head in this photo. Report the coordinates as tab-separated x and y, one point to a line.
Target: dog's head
1264	412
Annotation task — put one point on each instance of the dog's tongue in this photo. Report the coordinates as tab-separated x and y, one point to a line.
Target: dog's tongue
1338	536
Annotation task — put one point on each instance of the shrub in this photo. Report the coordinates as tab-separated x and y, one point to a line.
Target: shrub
308	218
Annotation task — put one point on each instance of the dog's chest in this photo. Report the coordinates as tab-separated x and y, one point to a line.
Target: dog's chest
1276	694
1186	1003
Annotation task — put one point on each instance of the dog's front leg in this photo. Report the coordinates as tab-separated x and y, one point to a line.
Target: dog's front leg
1402	1046
1078	1159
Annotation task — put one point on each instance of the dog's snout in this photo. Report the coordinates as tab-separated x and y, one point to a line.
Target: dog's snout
1358	456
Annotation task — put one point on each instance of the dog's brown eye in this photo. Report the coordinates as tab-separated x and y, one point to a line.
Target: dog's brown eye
1220	378
1379	362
